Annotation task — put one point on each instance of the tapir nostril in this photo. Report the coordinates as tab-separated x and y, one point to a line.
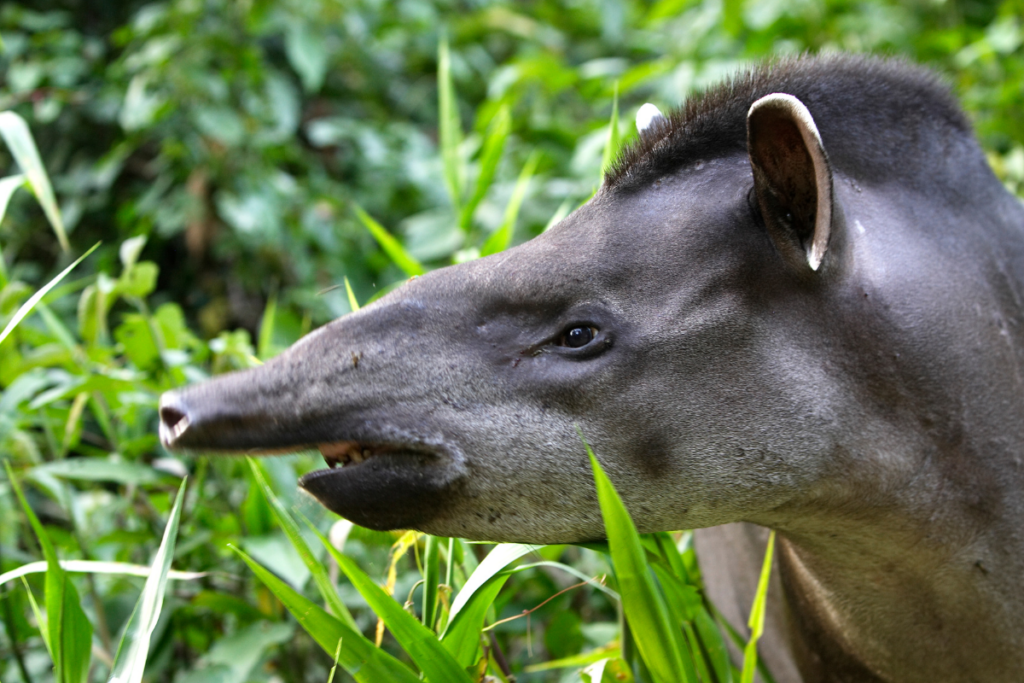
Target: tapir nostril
173	423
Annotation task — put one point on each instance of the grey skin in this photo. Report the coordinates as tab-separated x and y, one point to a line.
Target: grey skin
817	335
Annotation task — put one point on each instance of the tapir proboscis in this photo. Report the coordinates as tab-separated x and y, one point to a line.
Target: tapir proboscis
796	303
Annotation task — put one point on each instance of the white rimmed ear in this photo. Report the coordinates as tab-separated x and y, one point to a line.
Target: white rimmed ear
792	178
646	116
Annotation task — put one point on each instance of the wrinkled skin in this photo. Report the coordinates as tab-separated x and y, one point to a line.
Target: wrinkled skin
869	411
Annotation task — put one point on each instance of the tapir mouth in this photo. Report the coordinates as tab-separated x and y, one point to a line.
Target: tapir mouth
378	474
347	453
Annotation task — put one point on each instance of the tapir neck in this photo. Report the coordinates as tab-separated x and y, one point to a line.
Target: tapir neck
896	590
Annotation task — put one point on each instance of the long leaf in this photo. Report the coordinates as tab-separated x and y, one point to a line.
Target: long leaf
94	567
500	557
7	187
398	255
353	302
266	335
469	609
611	147
490	156
358	656
431	580
418	640
462	636
646	611
19	141
129	667
68	631
27	307
757	614
502	237
316	568
450	132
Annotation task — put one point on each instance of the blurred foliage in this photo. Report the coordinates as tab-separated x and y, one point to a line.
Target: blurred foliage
219	149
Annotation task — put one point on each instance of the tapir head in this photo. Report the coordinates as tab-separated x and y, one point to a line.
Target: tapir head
667	320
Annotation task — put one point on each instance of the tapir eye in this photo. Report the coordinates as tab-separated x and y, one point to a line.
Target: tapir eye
576	337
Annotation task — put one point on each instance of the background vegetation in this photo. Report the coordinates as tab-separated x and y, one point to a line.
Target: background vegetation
217	149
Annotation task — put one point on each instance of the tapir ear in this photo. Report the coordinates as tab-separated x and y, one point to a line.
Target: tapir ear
792	178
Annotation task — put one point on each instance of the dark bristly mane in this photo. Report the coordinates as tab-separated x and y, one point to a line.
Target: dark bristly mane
879	119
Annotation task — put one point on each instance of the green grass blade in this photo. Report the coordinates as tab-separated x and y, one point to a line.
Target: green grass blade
418	640
7	187
561	212
68	631
502	237
358	656
130	667
757	614
19	141
96	567
490	156
266	336
391	246
462	636
714	644
316	568
431	580
611	148
450	127
38	614
500	557
469	609
657	638
27	307
353	303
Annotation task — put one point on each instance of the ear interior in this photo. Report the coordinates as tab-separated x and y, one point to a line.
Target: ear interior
792	178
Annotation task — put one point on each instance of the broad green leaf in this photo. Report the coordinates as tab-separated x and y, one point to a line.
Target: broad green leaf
398	255
130	663
450	132
316	568
756	622
139	280
306	49
99	469
19	141
490	157
415	638
656	637
732	16
502	237
67	629
27	307
358	656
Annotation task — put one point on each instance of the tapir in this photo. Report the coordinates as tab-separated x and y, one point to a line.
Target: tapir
795	303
